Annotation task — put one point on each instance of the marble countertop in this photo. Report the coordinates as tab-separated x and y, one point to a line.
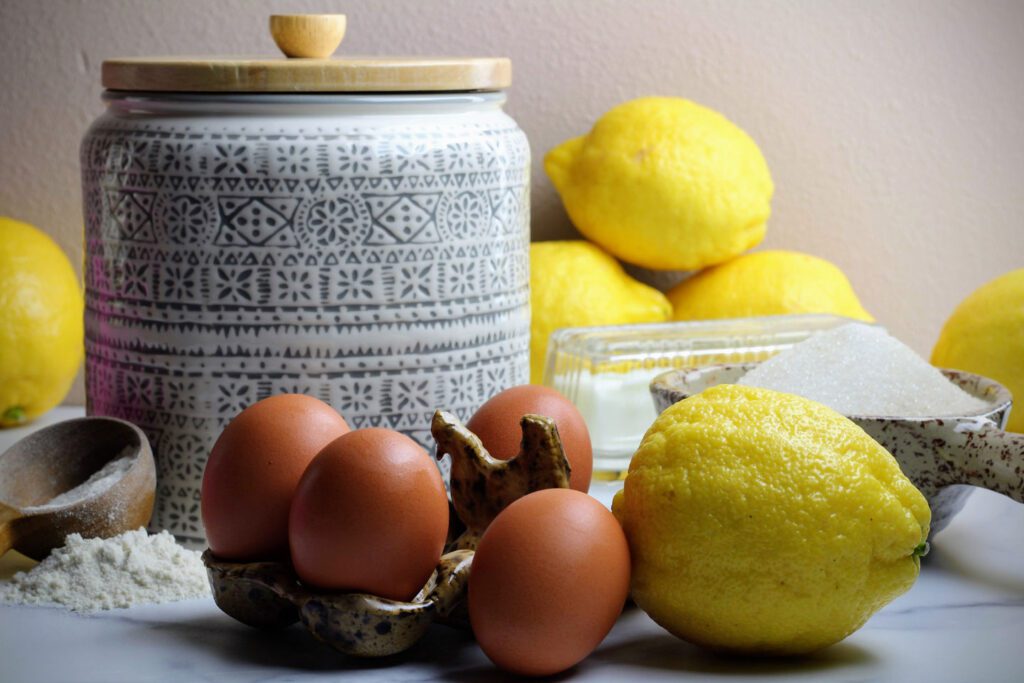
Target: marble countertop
962	621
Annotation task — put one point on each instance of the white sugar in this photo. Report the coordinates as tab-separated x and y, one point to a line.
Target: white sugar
861	370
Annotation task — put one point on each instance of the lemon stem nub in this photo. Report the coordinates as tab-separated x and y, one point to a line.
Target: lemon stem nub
922	549
14	414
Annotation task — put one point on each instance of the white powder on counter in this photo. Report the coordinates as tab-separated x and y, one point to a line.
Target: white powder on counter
91	574
100	481
862	370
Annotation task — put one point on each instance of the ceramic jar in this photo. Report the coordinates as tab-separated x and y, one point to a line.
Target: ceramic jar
366	247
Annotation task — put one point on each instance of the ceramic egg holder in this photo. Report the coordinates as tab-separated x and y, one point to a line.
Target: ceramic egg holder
270	595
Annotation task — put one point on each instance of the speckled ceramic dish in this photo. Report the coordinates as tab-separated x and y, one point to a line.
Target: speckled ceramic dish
269	595
943	456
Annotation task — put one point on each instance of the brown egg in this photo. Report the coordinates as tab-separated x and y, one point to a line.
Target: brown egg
548	581
253	470
497	425
370	515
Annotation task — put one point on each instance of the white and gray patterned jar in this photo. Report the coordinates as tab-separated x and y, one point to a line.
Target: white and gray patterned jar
369	248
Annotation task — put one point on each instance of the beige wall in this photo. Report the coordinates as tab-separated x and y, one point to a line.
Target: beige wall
894	130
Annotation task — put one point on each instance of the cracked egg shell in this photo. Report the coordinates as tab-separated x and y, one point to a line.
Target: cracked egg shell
370	515
253	470
496	423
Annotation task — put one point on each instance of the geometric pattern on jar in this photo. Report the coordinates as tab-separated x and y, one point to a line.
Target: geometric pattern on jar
384	272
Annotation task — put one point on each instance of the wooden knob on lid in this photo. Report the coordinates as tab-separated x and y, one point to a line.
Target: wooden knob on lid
314	36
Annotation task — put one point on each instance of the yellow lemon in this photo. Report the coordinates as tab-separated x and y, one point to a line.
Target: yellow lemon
665	183
575	284
41	332
763	522
985	335
766	283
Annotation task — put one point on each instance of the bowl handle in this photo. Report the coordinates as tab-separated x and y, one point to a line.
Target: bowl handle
8	530
991	458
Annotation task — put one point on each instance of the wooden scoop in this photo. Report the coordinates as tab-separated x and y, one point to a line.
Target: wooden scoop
55	460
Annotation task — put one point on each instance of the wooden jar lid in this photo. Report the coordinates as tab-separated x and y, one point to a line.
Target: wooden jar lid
308	40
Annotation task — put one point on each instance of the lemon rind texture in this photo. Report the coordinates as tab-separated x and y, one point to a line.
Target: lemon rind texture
761	522
665	183
985	335
41	338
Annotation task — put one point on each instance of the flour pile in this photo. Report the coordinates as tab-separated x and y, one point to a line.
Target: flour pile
90	574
